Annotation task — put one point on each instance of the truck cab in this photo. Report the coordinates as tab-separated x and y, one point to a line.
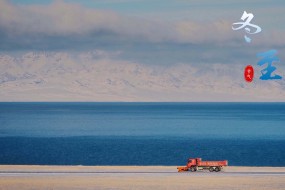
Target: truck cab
193	162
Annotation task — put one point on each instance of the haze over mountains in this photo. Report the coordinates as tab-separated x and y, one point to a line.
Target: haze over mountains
95	76
55	50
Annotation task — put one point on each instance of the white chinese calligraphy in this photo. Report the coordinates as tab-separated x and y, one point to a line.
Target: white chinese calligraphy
246	17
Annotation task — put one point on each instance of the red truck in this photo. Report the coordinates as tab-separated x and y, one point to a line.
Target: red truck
195	164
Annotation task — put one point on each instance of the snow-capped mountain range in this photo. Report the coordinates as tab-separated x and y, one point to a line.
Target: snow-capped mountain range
99	76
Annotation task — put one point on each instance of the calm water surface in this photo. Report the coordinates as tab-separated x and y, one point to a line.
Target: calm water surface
142	133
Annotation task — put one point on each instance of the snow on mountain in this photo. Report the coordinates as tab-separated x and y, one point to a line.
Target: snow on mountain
97	76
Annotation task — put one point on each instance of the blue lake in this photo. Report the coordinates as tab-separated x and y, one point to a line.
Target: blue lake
250	134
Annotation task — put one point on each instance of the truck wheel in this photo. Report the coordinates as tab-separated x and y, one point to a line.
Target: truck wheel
192	169
211	169
217	169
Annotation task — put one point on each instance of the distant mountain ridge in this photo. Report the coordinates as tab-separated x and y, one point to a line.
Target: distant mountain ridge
101	76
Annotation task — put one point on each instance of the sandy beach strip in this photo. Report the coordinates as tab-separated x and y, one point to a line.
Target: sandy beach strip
138	177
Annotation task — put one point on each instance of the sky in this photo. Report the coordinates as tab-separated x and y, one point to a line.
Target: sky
150	32
141	29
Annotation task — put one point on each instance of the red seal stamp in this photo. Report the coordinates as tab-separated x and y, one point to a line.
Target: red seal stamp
248	73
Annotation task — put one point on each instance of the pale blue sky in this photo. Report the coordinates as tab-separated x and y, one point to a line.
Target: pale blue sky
270	13
150	31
